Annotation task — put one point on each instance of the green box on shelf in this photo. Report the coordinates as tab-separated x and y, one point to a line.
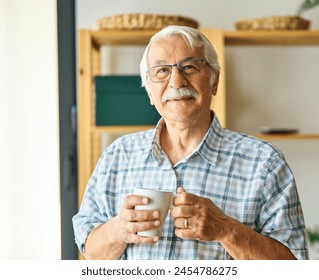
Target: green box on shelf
120	100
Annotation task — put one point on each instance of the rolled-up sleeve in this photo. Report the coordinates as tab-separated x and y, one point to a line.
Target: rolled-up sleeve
281	213
89	215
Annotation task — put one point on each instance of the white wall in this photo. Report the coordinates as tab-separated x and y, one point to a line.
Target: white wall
275	86
29	147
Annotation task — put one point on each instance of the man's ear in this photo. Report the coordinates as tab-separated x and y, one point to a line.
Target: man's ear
215	85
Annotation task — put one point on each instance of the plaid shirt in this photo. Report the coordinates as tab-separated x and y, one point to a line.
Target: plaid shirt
248	179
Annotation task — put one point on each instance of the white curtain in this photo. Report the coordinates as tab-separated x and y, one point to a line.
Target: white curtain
29	139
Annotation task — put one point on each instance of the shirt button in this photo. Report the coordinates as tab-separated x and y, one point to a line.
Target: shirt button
165	238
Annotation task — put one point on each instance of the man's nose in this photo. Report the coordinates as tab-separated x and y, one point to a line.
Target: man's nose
177	80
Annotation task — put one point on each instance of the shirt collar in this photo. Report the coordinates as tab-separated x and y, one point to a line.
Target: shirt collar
153	147
156	148
210	145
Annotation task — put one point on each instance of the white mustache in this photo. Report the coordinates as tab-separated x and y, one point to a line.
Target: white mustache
173	93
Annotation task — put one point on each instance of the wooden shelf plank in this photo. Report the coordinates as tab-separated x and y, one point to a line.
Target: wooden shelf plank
232	38
238	38
122	37
273	137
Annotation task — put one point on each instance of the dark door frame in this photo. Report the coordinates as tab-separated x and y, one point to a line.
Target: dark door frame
67	124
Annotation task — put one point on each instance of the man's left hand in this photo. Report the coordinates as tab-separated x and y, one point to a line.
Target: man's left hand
197	217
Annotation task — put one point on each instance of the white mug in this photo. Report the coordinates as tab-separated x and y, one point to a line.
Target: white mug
159	200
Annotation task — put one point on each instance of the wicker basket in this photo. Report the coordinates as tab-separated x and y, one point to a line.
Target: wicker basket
273	23
142	22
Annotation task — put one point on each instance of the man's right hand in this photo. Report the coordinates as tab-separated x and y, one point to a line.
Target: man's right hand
130	221
109	240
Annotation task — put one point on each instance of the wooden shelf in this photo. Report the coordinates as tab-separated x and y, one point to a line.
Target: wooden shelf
122	37
274	137
232	38
271	38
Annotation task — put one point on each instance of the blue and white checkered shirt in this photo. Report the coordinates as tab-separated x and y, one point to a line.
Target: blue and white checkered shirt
245	177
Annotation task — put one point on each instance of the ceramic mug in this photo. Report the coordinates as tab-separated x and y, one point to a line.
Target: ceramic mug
159	200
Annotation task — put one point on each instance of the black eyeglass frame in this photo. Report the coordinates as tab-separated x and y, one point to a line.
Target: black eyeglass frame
179	67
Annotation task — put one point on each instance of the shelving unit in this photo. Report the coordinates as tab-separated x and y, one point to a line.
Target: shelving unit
90	43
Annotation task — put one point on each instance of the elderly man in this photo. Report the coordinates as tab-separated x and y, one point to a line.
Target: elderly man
236	195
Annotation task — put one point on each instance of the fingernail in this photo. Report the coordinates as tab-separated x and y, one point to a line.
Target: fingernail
156	214
157	223
156	238
145	200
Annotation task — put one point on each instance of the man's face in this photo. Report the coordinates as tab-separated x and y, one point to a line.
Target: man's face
170	51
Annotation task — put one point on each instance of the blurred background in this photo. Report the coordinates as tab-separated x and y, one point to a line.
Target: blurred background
274	87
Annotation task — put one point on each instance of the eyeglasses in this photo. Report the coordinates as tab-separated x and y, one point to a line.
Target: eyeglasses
187	67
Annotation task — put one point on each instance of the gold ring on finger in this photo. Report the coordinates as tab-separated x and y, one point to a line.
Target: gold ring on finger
185	223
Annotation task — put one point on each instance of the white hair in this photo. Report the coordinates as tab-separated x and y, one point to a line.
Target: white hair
193	37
